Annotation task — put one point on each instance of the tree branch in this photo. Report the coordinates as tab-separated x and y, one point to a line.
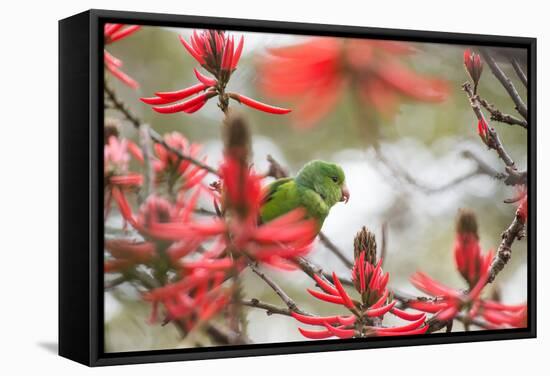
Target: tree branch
519	72
278	290
504	251
506	83
494	142
270	309
499	116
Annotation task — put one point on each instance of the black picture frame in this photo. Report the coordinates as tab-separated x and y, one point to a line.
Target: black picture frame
81	196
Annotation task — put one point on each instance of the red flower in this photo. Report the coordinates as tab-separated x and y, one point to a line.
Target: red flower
116	159
171	169
473	65
475	267
316	72
115	168
113	33
219	55
192	300
375	301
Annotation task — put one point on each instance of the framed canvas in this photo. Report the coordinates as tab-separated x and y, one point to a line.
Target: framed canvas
241	187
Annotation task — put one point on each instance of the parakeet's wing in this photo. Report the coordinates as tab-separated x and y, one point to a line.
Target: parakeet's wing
281	197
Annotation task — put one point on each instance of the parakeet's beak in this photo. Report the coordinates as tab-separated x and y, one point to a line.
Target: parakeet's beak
345	194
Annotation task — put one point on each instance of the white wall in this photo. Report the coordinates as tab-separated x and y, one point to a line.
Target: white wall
28	159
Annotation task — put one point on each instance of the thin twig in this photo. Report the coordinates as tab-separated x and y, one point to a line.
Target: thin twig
501	117
519	72
278	290
494	140
270	309
506	83
504	251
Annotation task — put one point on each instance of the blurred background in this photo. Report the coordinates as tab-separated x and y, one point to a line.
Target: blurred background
425	139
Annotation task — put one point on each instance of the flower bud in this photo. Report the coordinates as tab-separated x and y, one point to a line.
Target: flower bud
474	66
467	251
365	241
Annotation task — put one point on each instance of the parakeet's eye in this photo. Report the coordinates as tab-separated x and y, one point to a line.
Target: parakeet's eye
334	179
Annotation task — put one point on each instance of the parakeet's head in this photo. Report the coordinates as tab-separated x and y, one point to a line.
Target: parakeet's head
327	179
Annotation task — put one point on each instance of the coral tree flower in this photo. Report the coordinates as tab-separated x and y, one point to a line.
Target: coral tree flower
366	312
112	33
191	301
218	53
316	72
116	175
474	266
171	169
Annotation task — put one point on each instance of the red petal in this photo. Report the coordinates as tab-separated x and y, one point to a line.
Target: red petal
325	285
326	297
190	49
237	55
406	315
189	104
184	93
377	312
123	33
316	334
342	292
339	332
421	330
314	320
259	105
404	328
204	79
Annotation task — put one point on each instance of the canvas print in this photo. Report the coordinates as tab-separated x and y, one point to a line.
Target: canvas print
270	188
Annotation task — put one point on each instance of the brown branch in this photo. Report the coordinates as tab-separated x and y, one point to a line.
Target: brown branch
511	177
270	309
504	251
494	140
506	83
499	116
519	72
136	122
291	304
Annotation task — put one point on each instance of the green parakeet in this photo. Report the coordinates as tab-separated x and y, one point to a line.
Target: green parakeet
317	187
